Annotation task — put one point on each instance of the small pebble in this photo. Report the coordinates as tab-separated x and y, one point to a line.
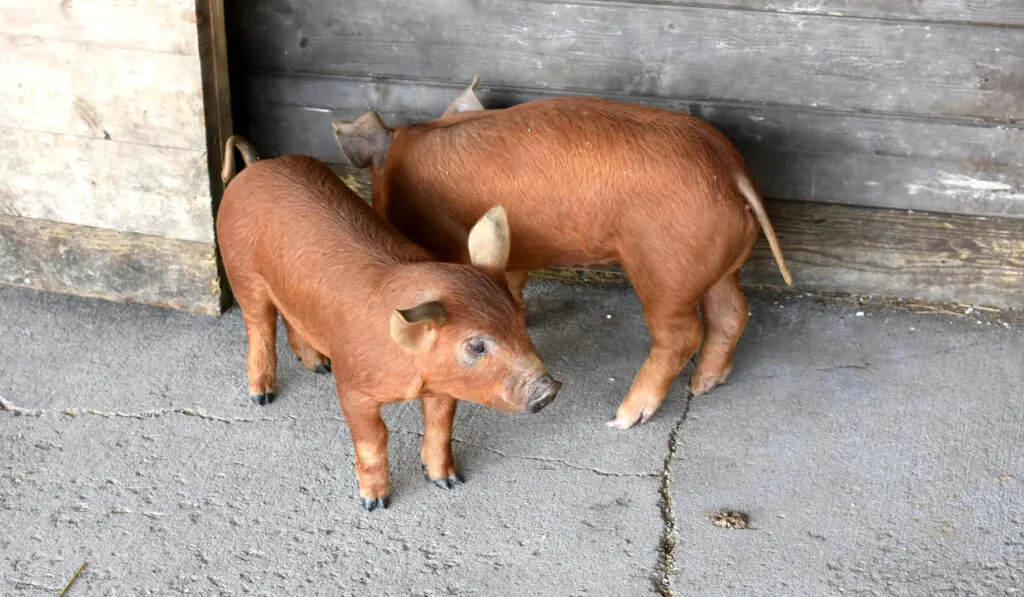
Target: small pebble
860	314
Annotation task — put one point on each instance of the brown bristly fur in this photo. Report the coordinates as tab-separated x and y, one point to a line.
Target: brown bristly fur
586	182
297	242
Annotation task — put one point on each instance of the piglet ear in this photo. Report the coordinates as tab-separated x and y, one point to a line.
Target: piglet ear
466	101
364	141
415	329
489	240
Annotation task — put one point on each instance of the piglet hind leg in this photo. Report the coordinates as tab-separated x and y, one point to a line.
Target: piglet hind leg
725	315
260	317
370	437
307	355
436	451
675	335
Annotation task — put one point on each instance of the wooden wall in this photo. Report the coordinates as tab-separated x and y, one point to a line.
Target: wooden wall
913	108
105	186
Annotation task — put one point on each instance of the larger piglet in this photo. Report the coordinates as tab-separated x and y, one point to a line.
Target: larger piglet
356	296
587	181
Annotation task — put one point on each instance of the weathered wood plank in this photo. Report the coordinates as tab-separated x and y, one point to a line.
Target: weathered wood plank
213	52
216	88
154	25
795	153
869	251
992	12
123	186
111	265
935	257
101	92
655	51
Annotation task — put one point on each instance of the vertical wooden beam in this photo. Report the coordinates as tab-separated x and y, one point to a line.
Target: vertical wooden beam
213	57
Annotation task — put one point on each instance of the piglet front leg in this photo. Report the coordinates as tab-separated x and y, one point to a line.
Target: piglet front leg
370	436
436	451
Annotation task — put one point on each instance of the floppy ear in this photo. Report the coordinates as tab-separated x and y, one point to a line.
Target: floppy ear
466	101
364	141
415	329
489	240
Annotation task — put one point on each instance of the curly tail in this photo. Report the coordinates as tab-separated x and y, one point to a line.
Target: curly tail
754	201
248	152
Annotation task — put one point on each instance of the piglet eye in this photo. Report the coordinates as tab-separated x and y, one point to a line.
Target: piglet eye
477	348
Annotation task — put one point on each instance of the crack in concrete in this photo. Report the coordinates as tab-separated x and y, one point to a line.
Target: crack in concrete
665	570
18	411
23	584
548	459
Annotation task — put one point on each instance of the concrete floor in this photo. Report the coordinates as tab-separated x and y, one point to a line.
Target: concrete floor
873	452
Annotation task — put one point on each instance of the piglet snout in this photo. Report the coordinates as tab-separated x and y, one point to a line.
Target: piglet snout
542	391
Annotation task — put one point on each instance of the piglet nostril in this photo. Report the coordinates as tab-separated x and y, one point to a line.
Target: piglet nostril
544	391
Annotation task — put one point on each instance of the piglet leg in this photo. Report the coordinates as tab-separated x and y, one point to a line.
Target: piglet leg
725	315
675	336
436	451
304	351
370	437
260	318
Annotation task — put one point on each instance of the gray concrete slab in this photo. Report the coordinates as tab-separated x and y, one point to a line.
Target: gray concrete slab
139	451
879	453
874	454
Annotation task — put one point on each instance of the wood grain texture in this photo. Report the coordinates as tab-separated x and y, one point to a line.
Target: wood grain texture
216	80
935	257
794	153
166	26
91	182
657	50
867	251
111	265
989	12
216	88
117	94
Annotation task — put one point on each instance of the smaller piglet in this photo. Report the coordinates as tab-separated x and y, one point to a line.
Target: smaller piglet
356	296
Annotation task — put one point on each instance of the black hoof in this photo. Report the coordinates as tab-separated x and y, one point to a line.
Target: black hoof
452	480
262	399
369	503
322	369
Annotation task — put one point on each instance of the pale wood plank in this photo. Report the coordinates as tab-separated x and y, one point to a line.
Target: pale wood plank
154	25
102	92
109	184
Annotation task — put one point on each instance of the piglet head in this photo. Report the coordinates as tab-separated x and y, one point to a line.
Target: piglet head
471	344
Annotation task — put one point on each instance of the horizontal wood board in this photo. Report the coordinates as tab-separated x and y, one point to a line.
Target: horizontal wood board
652	50
129	187
101	116
794	153
984	12
159	26
869	251
112	265
108	93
